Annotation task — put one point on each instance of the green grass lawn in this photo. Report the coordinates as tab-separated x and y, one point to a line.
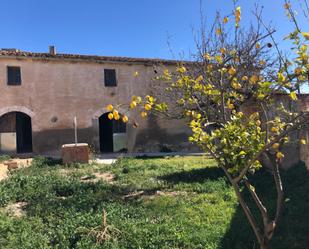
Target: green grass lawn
177	202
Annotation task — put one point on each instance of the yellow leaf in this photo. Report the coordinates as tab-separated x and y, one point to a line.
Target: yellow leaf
218	31
303	141
298	71
254	79
237	15
150	98
147	107
116	117
207	56
109	107
305	35
181	101
279	155
218	58
286	6
252	188
137	99
209	68
125	119
244	78
110	116
222	50
199	78
198	116
257	45
230	106
181	69
115	113
133	104
276	146
136	74
225	19
166	73
232	71
293	95
236	85
274	129
143	114
281	77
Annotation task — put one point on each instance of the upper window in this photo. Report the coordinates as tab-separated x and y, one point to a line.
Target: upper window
110	77
14	76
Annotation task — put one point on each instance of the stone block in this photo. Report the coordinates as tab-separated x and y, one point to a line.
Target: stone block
75	153
11	165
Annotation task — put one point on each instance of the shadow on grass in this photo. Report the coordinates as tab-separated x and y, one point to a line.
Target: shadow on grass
293	228
45	161
80	197
194	175
145	156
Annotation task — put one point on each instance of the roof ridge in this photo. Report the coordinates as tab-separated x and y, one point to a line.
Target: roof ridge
26	54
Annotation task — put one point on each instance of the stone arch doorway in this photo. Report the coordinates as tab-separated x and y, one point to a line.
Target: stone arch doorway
113	137
15	133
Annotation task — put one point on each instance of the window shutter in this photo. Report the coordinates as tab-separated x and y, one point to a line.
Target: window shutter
110	77
14	76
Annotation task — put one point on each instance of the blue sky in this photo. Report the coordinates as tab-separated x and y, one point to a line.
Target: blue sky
136	28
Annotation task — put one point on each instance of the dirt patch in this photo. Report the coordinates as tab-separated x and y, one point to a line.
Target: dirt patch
107	177
22	163
16	209
6	166
3	172
172	193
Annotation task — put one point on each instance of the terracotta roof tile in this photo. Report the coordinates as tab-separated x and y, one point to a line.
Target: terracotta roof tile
92	58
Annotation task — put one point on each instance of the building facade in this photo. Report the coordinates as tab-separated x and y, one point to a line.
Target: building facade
42	93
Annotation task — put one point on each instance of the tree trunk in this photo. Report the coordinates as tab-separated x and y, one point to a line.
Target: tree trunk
264	245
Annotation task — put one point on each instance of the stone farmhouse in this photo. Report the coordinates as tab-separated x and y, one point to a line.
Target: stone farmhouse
42	93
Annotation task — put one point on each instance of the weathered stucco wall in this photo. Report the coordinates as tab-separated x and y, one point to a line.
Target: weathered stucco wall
54	91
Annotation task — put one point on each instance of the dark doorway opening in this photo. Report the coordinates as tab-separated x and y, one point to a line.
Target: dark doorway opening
106	134
19	124
23	133
107	131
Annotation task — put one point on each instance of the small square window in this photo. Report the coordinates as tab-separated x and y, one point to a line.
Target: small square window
110	77
14	76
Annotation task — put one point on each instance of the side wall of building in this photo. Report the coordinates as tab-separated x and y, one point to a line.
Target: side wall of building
293	151
304	134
